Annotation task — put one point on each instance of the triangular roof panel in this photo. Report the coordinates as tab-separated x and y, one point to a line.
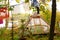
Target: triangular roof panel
37	25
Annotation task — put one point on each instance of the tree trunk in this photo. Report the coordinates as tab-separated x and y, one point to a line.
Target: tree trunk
52	26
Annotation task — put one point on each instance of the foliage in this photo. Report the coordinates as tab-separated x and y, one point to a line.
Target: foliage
46	13
16	37
24	31
2	0
18	1
26	1
2	5
10	8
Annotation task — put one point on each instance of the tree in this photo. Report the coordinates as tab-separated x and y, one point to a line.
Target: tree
53	17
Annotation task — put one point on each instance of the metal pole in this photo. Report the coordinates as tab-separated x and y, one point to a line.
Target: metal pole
36	5
37	10
12	22
53	18
12	27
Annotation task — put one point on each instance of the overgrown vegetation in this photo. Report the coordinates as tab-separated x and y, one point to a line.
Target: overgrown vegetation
6	34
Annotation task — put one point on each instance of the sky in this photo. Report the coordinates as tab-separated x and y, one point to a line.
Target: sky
57	4
21	7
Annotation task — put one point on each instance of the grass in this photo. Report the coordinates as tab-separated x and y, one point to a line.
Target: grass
6	34
36	37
